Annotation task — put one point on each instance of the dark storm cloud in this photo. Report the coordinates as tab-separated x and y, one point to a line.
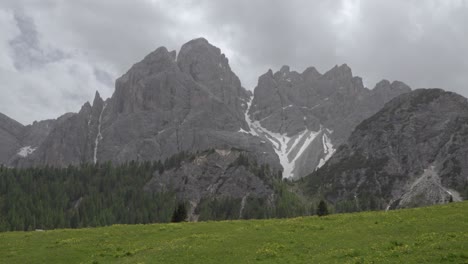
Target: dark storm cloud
73	48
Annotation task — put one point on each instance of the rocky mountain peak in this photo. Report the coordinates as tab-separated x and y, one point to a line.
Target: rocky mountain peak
339	72
160	60
86	108
203	61
284	69
383	84
10	134
10	125
384	90
97	99
269	73
310	74
395	85
157	54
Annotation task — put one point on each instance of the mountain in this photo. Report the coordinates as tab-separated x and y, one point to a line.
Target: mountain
186	129
163	105
307	115
413	152
169	103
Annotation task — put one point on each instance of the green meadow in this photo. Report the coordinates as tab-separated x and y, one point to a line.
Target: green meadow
437	234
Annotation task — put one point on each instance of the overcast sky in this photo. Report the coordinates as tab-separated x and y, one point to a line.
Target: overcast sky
55	54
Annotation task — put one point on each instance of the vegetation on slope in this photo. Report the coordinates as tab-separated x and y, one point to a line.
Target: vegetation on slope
92	195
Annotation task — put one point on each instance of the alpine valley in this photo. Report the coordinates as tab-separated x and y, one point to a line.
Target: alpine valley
180	128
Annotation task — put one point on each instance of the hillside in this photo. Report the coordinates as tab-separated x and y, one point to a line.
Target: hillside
437	234
213	185
411	153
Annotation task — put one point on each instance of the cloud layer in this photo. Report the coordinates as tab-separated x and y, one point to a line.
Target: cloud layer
54	54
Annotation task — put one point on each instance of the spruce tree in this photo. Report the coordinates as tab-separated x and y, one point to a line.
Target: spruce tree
322	208
180	214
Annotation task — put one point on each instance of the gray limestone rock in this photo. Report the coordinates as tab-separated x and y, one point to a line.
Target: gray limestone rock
211	174
413	152
288	103
163	105
10	138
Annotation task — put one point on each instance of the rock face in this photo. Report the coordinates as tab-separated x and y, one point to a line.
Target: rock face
212	174
307	115
413	152
162	106
10	137
18	142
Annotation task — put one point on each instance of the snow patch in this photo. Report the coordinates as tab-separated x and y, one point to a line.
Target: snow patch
26	151
161	131
328	148
243	131
287	148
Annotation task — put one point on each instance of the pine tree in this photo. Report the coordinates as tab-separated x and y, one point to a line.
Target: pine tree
322	208
180	214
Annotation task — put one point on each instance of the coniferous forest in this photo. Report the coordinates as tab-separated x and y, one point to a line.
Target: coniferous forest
93	195
87	195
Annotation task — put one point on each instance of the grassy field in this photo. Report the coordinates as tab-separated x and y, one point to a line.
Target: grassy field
436	234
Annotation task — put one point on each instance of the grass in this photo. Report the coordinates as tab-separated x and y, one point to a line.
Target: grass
437	234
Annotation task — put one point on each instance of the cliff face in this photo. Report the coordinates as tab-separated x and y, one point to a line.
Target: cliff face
413	152
307	115
163	105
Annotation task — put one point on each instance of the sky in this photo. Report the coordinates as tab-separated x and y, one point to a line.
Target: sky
54	54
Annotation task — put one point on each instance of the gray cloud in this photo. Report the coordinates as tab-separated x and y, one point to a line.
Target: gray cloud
55	54
27	52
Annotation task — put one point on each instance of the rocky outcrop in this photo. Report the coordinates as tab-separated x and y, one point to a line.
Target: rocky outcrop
413	152
307	115
212	174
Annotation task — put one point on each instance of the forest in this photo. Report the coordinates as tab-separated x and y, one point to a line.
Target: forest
91	195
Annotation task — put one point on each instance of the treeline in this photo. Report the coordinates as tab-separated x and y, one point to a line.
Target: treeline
92	195
83	196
